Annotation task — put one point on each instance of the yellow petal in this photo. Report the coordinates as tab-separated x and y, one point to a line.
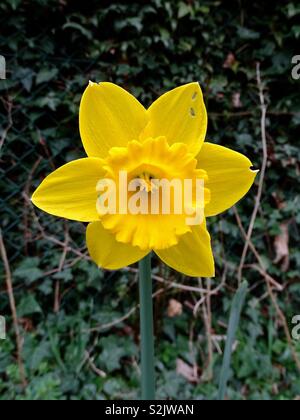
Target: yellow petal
109	116
106	252
70	191
179	115
229	176
193	255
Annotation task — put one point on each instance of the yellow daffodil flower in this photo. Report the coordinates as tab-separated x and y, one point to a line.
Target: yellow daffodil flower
164	141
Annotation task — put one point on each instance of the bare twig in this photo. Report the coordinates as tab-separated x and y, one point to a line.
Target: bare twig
285	325
263	107
117	321
93	367
193	352
178	285
46	149
68	264
60	269
252	113
49	238
270	279
261	269
206	309
272	283
27	232
9	123
212	292
184	287
13	309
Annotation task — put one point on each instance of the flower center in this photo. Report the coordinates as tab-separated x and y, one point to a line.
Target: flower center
146	182
153	186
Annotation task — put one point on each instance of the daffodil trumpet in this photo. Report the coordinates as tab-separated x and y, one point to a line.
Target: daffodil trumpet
148	195
163	142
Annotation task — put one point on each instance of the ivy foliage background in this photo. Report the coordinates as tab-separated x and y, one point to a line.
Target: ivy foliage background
72	345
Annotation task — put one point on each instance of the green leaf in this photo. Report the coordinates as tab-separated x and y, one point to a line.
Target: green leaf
247	34
293	10
15	4
46	75
28	270
28	306
114	349
234	320
40	353
184	10
80	28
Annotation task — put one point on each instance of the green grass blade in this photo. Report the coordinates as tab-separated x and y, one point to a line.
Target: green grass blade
234	320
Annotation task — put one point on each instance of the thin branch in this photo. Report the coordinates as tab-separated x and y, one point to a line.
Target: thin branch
271	282
263	107
252	113
117	321
13	309
261	269
57	296
178	285
212	292
9	124
27	233
93	367
285	325
49	238
206	309
270	279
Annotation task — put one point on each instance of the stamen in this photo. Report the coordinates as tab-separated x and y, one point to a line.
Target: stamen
146	181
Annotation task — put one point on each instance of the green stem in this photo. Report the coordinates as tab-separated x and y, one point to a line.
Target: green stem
146	326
